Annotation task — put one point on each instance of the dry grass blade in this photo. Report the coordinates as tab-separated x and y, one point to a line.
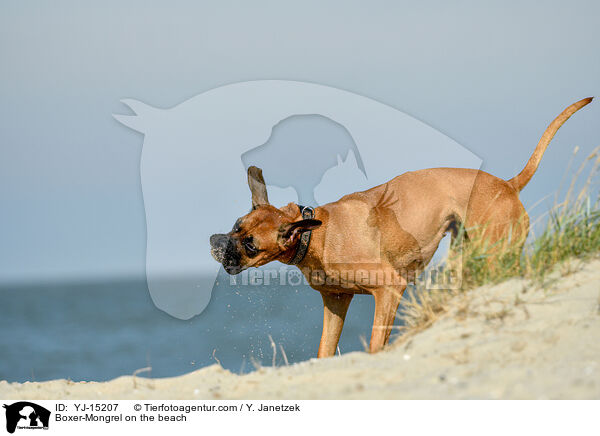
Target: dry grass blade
274	348
139	371
285	359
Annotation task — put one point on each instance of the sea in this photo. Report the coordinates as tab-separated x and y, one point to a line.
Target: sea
102	330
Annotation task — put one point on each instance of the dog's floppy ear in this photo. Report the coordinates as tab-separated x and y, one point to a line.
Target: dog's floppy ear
292	232
258	188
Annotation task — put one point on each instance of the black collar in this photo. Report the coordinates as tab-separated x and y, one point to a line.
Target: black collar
307	212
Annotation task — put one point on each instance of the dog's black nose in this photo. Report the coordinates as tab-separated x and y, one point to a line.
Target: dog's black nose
218	246
217	239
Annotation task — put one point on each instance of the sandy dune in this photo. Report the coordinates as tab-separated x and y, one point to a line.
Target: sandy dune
505	341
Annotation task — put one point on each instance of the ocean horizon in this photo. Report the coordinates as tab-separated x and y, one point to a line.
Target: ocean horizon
97	331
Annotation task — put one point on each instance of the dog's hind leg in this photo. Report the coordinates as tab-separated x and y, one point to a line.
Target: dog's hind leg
334	313
386	304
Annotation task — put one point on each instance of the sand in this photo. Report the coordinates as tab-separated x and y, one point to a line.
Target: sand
512	340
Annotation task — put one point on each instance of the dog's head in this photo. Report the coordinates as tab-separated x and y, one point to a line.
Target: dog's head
263	235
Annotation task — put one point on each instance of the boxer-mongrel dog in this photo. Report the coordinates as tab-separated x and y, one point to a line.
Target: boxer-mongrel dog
376	241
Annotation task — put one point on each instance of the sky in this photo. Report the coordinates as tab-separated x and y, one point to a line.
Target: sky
490	76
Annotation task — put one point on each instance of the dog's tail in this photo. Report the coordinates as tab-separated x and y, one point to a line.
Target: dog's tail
518	182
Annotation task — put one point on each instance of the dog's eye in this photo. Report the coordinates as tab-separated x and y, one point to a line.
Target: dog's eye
237	226
250	248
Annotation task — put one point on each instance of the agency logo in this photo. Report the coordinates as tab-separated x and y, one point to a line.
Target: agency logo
314	144
26	415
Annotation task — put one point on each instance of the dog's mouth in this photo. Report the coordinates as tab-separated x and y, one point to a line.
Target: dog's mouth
218	254
233	270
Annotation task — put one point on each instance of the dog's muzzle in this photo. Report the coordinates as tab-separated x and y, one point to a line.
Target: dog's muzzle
223	249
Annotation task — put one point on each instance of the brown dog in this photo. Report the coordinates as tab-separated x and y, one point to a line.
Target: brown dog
377	241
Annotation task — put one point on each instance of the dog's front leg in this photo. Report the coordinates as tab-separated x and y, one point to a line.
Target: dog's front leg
334	313
386	304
